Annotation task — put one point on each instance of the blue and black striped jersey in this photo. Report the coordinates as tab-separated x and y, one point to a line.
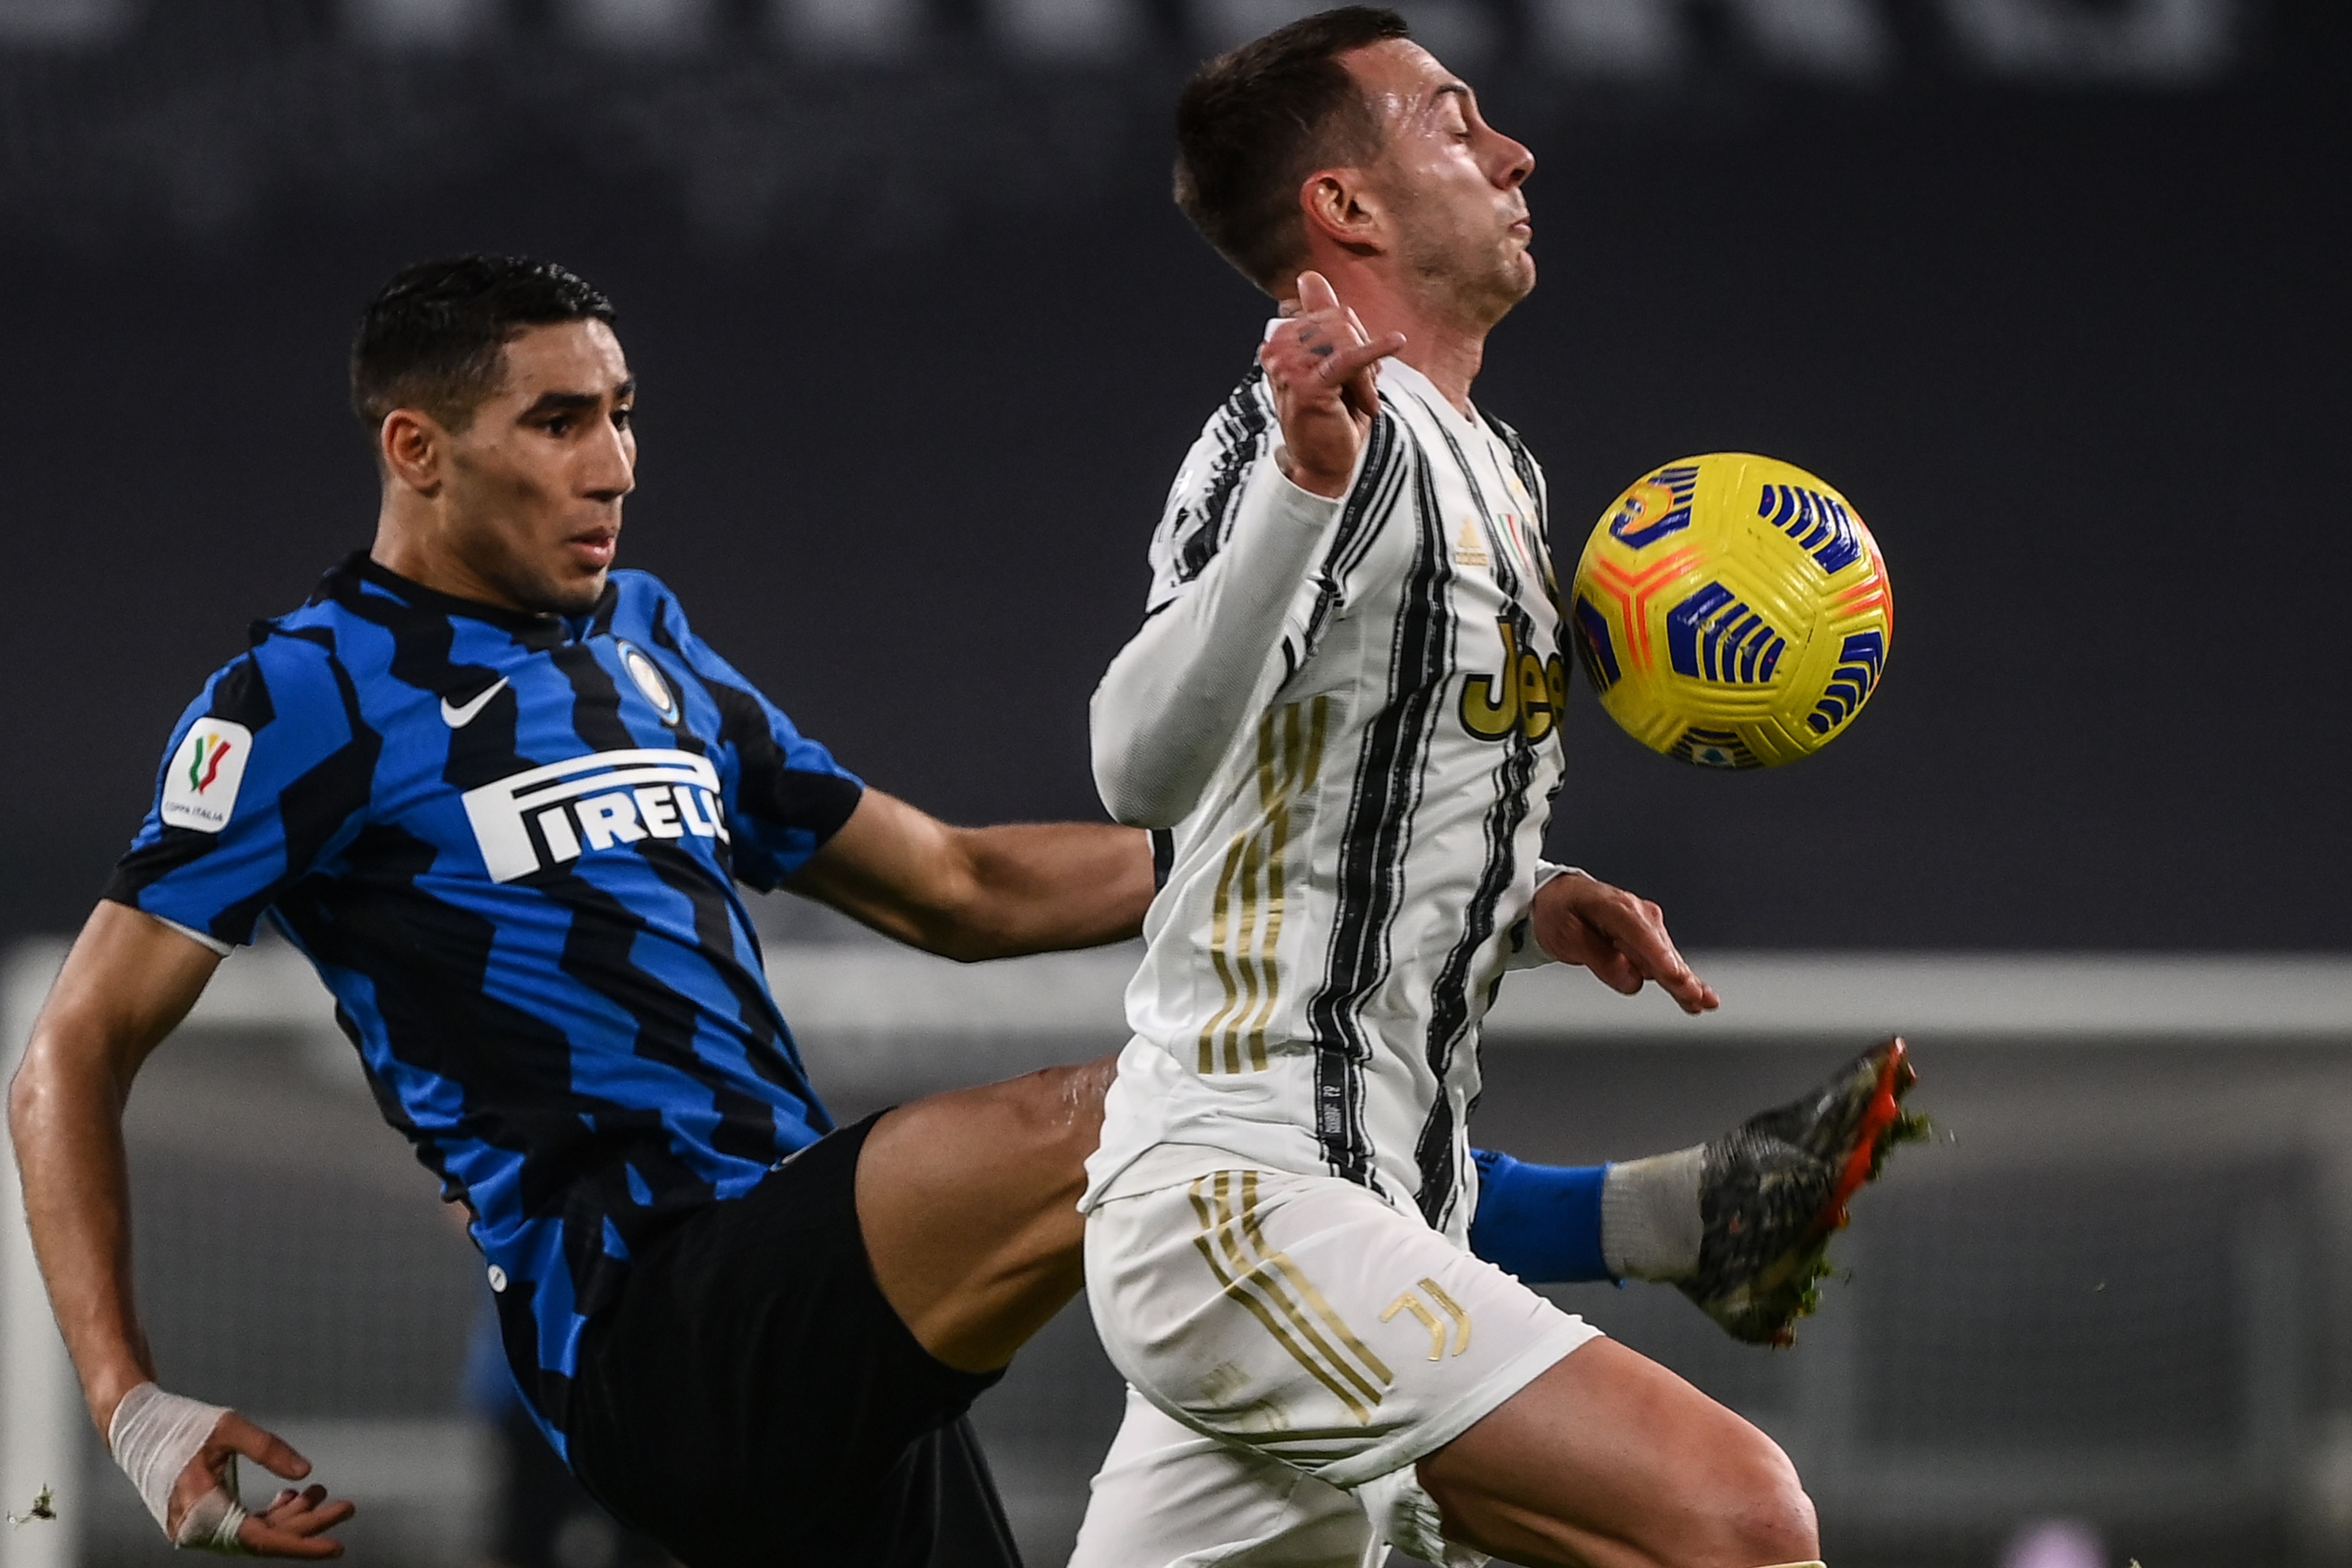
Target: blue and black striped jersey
509	844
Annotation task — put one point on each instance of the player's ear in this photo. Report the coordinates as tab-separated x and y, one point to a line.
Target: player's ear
410	445
1338	207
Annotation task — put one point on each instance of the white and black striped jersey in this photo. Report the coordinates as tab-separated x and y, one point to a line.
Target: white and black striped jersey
1351	854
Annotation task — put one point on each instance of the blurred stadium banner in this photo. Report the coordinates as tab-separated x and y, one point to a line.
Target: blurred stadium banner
125	117
2151	39
2112	1290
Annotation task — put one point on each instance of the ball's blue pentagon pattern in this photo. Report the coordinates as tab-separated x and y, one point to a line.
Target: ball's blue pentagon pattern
1850	685
1711	636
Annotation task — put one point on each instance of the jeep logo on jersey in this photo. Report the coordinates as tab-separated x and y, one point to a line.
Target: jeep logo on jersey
544	816
1523	699
200	786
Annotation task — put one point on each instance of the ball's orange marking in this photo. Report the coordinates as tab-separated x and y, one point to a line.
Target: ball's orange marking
1634	592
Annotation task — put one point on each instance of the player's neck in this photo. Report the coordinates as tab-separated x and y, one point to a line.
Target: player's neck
410	544
1439	341
1450	361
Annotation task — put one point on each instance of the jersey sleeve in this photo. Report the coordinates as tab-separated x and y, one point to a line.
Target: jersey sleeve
268	775
1172	701
1247	568
790	796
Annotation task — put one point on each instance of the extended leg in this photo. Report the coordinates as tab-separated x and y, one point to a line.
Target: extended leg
1742	1223
969	1205
968	1201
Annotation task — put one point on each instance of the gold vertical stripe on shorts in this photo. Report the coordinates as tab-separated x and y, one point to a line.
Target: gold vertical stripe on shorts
1268	1274
1236	1288
1314	1299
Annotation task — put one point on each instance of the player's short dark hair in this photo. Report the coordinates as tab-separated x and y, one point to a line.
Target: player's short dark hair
434	338
1253	123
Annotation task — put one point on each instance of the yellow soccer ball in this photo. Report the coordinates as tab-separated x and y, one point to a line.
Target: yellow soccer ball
1733	611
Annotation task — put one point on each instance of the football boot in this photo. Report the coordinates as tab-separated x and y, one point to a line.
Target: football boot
1773	1190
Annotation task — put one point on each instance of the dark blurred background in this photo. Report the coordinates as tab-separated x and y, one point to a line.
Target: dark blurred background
2053	290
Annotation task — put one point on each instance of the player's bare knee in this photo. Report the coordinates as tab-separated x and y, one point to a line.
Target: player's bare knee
1762	1513
1065	1102
1734	1502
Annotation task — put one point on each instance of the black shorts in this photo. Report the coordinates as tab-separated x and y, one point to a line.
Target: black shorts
752	1401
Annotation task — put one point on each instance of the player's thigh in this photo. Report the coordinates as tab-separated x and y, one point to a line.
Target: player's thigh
1168	1497
968	1201
1609	1460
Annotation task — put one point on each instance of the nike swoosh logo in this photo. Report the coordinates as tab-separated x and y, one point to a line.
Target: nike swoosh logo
458	717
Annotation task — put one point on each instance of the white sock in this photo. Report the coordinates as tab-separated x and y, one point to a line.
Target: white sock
1650	1222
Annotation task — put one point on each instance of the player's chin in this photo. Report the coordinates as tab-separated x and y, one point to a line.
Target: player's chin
573	592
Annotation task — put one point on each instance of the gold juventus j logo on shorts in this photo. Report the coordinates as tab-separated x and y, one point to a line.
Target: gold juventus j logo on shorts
1454	1311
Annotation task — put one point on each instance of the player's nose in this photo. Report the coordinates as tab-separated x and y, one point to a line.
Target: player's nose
611	468
1512	161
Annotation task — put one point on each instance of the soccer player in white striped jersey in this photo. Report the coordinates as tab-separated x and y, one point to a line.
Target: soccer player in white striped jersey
1343	711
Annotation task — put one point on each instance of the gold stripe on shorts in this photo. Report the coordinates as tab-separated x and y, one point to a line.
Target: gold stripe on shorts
1271	1284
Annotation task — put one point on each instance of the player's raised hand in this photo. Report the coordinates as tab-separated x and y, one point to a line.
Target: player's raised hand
1620	938
1323	369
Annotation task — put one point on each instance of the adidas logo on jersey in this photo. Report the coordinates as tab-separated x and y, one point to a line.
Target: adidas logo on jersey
1470	550
547	816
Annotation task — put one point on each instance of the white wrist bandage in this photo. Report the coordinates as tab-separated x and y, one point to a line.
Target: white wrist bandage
153	1436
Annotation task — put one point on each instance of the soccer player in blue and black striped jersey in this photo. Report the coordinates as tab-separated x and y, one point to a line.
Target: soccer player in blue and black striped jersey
502	796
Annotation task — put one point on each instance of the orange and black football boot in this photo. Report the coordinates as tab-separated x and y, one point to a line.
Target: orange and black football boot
1773	1190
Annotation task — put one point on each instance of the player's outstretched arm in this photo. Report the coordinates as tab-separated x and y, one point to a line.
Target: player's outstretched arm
972	893
128	982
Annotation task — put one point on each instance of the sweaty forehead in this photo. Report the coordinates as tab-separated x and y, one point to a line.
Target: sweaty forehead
1402	80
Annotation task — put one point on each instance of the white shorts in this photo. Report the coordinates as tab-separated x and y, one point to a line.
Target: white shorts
1304	1321
1166	1496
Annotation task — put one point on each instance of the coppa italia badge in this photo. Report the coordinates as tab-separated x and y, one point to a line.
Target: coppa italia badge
201	783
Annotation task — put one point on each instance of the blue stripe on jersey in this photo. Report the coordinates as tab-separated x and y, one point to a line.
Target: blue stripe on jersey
509	844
